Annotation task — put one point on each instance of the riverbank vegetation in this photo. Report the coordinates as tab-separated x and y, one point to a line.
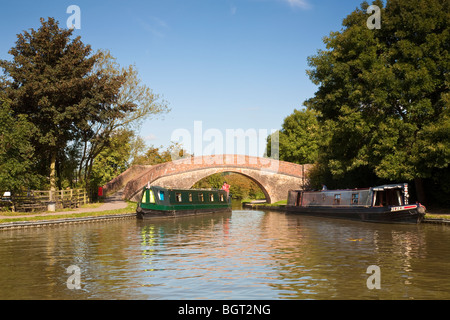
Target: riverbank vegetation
62	107
381	112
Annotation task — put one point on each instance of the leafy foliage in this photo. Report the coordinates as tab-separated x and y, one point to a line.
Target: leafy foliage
50	80
383	99
241	187
114	159
155	155
298	138
69	107
16	152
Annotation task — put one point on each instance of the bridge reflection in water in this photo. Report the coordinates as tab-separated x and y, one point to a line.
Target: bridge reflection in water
239	255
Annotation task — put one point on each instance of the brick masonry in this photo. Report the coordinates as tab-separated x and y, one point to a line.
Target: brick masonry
274	177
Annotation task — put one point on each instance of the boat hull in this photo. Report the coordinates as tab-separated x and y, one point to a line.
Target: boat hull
367	214
145	214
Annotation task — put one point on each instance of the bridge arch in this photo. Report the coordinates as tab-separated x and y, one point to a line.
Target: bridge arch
275	178
197	175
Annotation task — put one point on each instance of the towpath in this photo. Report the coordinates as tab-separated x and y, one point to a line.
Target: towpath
113	202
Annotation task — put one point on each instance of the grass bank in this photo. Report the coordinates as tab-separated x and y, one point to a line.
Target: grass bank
281	203
437	216
275	204
131	208
438	213
15	214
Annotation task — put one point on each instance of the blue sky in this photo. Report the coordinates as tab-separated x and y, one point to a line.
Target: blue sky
232	64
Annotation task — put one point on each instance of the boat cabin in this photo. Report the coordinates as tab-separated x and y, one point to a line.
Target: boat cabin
170	197
382	196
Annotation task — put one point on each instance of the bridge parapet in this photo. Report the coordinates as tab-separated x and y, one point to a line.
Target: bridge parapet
274	177
120	181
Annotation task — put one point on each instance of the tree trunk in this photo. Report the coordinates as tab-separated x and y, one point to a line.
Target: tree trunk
53	176
79	177
420	191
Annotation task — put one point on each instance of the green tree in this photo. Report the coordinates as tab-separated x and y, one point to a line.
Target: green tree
241	187
298	138
383	95
113	159
50	80
16	152
155	155
142	104
214	181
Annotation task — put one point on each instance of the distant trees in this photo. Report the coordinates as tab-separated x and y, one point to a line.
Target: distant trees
154	155
241	187
298	138
383	100
73	100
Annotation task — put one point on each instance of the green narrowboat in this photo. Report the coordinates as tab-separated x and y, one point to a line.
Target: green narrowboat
157	202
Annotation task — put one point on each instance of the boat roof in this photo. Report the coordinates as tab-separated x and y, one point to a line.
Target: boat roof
389	186
378	188
182	190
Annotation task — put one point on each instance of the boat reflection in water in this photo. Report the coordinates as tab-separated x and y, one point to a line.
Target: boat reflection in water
387	203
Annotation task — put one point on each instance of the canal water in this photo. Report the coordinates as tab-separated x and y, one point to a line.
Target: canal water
239	255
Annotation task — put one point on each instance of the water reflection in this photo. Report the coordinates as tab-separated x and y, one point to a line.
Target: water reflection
239	255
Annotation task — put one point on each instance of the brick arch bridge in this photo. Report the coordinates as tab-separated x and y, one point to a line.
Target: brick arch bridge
275	178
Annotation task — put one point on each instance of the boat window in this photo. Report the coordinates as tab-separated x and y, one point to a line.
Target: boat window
152	197
190	197
355	198
387	198
161	195
337	199
200	197
211	197
222	199
144	197
178	197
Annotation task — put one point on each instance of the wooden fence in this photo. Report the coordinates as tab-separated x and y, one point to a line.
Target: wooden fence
43	200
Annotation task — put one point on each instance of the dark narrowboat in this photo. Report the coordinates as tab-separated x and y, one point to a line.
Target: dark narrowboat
387	203
157	202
